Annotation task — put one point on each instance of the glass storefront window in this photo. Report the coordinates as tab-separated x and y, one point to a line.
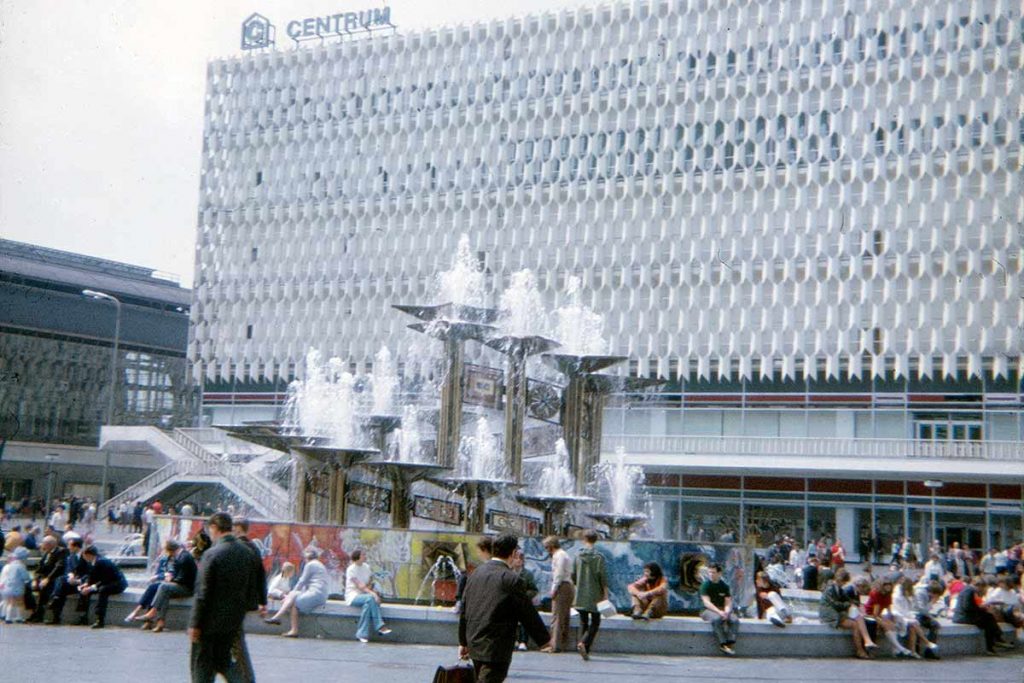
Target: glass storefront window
710	521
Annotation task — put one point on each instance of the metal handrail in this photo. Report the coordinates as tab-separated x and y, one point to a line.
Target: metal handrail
817	447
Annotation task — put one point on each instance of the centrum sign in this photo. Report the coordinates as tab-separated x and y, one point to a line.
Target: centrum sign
341	24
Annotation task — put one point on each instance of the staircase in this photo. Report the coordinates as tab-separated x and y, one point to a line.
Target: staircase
191	462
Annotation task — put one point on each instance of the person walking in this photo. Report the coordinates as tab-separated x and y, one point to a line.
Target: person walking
494	602
717	599
591	578
223	594
562	591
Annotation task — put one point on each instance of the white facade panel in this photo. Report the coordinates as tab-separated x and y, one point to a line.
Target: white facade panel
743	187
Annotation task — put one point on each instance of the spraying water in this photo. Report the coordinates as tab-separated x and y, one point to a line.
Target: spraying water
464	283
322	404
407	442
579	328
385	382
522	307
620	485
556	479
480	455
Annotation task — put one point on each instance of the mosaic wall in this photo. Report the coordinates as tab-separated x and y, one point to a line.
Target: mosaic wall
402	561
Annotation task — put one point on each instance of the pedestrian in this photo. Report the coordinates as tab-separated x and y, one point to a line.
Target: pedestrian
222	597
494	602
718	611
562	592
591	578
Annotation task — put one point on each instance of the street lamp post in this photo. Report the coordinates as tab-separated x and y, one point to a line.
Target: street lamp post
50	457
933	486
103	296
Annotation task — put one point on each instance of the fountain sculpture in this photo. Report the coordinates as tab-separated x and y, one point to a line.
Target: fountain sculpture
620	489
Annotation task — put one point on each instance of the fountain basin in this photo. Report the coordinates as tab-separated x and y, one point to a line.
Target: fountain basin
570	364
470	486
620	524
338	457
449	311
405	472
527	345
454	330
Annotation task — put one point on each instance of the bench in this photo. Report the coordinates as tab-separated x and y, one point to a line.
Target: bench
672	635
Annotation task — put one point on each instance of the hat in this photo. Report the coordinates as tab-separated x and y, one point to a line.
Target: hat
20	553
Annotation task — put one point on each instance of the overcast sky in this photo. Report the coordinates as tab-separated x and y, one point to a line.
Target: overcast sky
101	112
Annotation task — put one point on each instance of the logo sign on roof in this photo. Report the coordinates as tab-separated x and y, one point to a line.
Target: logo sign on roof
257	32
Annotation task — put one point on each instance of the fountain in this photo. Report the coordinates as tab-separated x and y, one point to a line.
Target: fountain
481	473
554	491
444	568
404	466
522	326
620	489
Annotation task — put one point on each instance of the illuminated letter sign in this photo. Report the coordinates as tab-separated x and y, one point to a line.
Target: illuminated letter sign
257	32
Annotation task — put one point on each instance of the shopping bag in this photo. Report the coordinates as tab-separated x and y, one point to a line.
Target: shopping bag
606	608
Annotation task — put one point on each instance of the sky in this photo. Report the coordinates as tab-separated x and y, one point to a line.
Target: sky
101	112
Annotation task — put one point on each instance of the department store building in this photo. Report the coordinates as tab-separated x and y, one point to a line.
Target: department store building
805	216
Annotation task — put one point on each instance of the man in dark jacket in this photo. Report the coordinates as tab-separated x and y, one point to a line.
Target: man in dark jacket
51	567
73	575
179	582
223	595
258	601
970	611
103	579
494	603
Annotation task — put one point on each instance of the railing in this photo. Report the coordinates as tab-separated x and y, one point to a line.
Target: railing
268	494
808	447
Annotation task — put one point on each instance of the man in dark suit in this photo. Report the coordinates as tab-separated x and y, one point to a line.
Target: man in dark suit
494	603
73	575
51	567
104	579
258	601
223	595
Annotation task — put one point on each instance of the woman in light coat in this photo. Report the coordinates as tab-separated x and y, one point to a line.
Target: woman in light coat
310	593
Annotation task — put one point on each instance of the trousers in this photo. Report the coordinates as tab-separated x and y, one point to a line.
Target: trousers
490	672
725	630
370	613
214	654
590	623
561	602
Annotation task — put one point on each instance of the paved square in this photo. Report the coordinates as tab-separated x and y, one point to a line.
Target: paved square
40	653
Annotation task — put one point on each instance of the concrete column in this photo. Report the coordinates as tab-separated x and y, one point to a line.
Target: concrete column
846	531
449	425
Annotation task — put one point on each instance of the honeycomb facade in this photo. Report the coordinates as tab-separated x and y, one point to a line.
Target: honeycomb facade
746	189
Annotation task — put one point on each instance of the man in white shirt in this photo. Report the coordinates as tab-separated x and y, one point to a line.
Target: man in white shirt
562	593
359	592
988	562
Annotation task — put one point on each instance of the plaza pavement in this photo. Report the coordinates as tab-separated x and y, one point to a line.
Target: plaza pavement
30	653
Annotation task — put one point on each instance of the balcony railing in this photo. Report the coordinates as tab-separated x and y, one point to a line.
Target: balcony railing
813	447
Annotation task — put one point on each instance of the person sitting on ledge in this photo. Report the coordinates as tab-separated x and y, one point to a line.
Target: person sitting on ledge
969	610
718	611
179	582
281	585
770	604
649	593
310	593
359	592
161	574
839	609
104	579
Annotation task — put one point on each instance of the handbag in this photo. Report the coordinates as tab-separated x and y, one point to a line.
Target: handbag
607	609
462	672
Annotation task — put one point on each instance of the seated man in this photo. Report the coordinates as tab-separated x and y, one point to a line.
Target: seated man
649	593
179	582
104	579
74	571
717	599
49	570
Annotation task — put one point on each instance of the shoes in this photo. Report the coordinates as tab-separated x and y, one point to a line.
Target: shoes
1005	646
646	616
863	655
547	649
35	619
272	621
383	631
147	625
129	619
914	655
932	652
294	634
364	640
776	621
158	628
726	650
992	653
636	615
582	649
521	647
98	624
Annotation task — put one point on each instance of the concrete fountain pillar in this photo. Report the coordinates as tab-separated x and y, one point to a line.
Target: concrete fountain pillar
515	412
449	425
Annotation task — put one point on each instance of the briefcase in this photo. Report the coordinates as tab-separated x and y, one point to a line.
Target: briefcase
463	672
